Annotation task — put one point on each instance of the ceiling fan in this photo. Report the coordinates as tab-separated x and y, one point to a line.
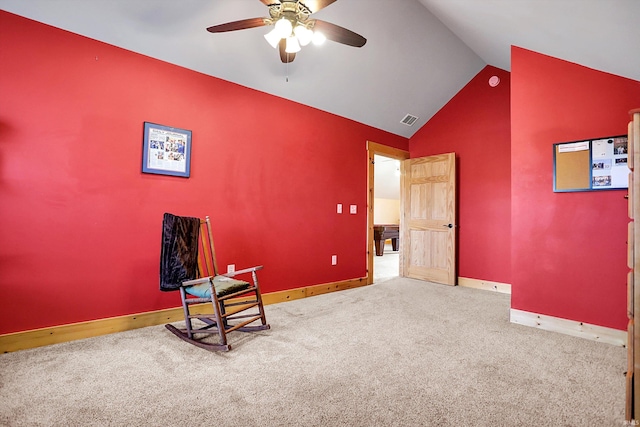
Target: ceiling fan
293	27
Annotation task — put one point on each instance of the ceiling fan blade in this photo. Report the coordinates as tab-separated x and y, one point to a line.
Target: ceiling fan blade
316	5
284	56
339	34
238	25
270	2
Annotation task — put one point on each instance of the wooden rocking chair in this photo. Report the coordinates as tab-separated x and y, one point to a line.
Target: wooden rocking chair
188	263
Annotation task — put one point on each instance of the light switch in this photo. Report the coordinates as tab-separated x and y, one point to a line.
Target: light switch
353	209
334	259
339	207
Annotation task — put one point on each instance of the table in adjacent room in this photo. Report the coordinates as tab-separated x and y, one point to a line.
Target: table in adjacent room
383	232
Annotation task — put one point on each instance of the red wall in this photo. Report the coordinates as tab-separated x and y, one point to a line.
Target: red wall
568	249
81	225
475	125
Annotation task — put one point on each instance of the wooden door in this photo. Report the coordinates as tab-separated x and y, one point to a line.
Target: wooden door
428	224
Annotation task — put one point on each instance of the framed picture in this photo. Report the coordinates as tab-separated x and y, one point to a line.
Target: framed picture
166	150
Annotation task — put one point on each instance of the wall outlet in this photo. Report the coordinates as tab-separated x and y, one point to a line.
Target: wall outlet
353	209
339	208
334	259
231	268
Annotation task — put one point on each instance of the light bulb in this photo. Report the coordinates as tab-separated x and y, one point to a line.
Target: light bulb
318	38
273	38
303	34
292	45
283	27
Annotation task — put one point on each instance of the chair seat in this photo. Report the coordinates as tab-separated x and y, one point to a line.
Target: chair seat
224	286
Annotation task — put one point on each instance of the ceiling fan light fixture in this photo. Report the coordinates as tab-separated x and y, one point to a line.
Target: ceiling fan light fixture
283	28
292	45
318	38
291	27
273	38
303	34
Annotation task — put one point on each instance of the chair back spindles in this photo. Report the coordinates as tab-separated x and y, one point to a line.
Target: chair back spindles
207	265
211	248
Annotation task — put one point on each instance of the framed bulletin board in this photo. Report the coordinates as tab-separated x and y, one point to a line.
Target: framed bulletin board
591	165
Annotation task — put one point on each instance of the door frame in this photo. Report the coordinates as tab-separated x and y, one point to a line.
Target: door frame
374	148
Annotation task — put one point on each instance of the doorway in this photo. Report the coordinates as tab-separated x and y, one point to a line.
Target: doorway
384	208
386	218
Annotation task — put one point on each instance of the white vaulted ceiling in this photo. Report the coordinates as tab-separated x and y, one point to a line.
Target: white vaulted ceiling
419	53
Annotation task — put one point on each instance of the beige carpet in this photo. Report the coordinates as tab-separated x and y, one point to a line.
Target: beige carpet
398	353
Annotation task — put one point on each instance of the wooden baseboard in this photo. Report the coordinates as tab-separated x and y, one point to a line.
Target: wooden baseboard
58	334
570	327
486	285
309	291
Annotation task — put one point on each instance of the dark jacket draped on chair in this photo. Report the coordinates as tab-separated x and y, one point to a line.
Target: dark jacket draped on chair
179	251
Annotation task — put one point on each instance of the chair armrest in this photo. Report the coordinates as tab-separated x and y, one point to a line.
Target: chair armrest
244	270
196	281
235	273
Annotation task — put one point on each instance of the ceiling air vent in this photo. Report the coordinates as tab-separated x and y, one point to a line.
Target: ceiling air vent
409	120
